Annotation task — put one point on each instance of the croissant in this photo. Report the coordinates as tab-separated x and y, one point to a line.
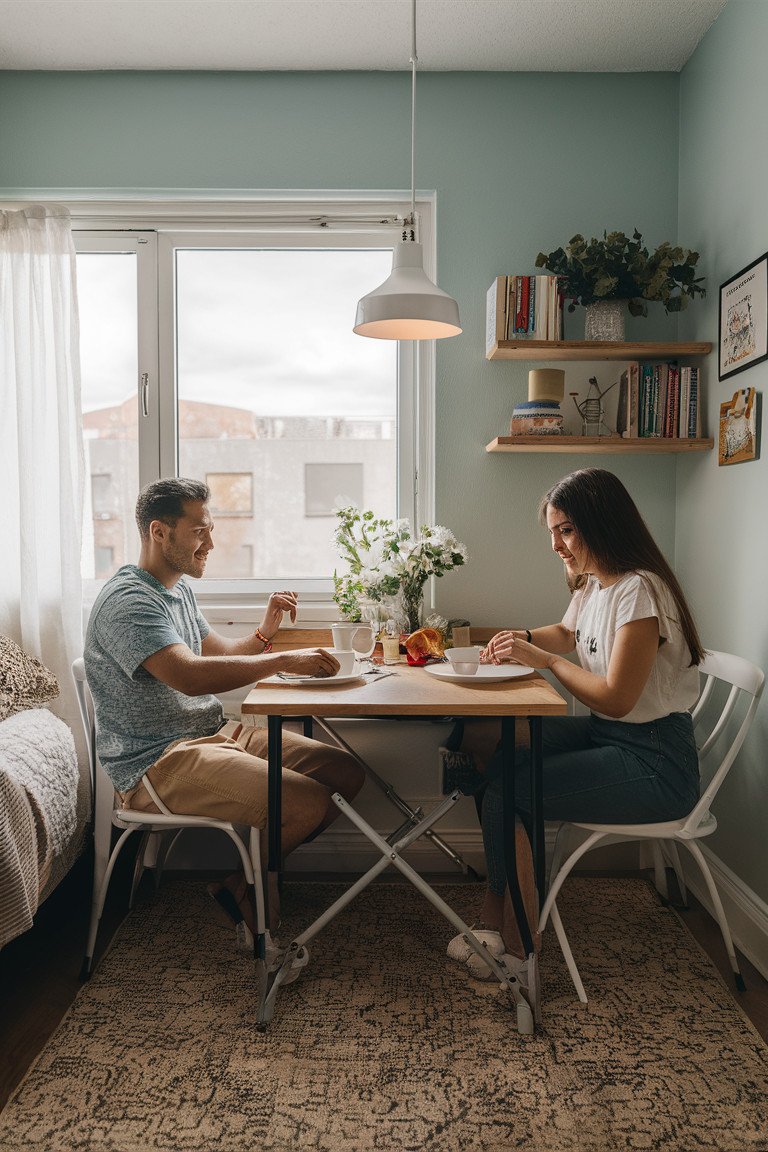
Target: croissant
425	643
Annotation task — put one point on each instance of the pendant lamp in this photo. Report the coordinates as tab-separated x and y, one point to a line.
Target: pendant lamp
408	306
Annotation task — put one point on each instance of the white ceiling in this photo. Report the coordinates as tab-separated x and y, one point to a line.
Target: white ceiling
488	35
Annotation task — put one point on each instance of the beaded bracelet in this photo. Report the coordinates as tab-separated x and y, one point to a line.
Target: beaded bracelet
260	636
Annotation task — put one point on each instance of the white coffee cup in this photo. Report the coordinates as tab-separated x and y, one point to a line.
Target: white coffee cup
346	661
357	638
464	661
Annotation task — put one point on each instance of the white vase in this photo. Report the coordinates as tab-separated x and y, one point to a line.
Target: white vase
604	320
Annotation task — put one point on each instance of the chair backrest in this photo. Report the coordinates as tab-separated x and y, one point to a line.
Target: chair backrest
87	714
713	723
102	788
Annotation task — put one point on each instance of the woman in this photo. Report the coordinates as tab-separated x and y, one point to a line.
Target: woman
633	758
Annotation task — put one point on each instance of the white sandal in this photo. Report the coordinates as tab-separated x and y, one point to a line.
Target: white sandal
294	969
516	967
459	948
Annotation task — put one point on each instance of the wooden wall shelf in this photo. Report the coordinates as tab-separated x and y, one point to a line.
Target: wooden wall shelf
593	350
598	444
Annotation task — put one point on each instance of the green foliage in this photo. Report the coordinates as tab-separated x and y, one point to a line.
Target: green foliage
384	559
620	268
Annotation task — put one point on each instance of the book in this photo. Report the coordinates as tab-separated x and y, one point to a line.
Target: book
694	417
622	408
685	396
633	371
522	308
660	377
495	313
673	401
645	423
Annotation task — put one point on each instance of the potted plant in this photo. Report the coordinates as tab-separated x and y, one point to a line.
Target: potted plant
604	274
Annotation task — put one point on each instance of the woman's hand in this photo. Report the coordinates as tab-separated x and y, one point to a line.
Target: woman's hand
500	648
278	603
310	662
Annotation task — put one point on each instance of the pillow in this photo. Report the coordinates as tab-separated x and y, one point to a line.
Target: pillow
24	681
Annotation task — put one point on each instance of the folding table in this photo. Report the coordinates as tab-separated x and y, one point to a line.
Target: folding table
410	692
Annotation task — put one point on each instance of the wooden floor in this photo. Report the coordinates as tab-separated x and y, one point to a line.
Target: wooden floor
40	971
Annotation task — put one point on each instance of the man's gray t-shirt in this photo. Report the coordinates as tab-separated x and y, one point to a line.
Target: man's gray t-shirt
137	716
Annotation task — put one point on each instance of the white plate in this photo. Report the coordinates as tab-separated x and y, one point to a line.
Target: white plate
484	673
313	681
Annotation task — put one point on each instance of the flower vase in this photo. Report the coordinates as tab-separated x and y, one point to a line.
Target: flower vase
412	603
604	320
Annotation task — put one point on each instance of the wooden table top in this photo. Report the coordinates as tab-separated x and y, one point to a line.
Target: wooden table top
410	691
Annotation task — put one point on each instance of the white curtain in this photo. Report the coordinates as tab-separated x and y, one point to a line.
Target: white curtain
41	455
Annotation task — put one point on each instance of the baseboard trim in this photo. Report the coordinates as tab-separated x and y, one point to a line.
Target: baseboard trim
347	850
746	913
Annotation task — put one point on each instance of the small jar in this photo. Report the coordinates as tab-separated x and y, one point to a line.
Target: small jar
390	646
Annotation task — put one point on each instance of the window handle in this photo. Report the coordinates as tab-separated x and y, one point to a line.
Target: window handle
144	388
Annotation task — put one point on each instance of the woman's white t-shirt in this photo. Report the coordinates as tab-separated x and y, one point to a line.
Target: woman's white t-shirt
595	615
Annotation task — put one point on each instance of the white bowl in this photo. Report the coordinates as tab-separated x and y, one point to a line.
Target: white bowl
464	661
464	655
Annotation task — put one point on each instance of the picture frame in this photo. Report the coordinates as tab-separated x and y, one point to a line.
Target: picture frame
738	440
743	319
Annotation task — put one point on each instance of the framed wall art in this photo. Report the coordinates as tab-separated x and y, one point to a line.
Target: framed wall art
743	324
739	427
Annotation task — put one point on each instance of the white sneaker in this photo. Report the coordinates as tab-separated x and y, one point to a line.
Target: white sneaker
516	967
460	950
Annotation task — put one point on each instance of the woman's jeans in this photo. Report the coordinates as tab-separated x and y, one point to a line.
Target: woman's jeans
600	772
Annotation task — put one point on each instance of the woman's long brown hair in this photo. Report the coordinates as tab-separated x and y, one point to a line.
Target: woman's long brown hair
608	521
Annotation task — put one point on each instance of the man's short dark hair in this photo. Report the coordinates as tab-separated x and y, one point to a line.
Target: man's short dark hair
165	499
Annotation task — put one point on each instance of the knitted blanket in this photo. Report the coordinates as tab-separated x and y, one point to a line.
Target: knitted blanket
38	790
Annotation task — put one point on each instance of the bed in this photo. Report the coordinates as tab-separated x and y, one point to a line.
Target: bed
44	795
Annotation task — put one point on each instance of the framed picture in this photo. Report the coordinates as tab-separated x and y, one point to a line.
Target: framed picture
739	427
743	325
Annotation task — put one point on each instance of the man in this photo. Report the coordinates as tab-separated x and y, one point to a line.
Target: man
153	665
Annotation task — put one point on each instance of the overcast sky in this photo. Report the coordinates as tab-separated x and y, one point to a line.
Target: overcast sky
270	331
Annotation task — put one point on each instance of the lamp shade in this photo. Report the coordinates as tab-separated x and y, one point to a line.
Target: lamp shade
407	306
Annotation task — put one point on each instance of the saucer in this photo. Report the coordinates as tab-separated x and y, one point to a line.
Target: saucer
486	673
313	681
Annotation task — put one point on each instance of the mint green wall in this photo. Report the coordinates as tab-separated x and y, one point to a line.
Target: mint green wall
721	547
520	162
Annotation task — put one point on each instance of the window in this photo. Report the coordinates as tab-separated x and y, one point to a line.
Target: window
326	486
231	493
223	350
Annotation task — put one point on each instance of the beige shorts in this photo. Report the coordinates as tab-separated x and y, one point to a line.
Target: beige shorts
225	775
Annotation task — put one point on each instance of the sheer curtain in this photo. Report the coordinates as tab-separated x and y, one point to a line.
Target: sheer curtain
41	454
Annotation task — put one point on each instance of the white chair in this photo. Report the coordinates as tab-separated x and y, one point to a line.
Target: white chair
165	825
719	737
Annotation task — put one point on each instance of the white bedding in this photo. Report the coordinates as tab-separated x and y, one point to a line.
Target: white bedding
38	810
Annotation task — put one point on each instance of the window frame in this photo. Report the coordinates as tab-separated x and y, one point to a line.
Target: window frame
154	229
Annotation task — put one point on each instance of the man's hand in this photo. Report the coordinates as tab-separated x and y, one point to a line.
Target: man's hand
278	603
311	662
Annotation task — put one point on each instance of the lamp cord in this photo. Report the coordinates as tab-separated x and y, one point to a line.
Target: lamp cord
414	61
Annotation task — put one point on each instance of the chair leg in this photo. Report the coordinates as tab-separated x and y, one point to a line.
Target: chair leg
100	888
562	875
138	867
719	912
565	948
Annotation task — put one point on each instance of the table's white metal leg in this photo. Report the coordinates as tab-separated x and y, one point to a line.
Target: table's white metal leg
413	833
525	1017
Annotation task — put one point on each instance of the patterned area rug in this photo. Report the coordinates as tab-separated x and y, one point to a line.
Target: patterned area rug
384	1044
